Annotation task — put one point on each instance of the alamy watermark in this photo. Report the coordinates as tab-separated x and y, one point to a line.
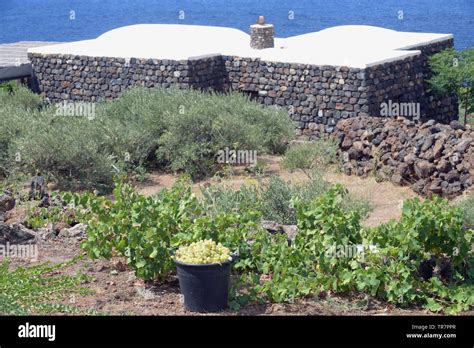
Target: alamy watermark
394	109
234	156
75	109
349	250
19	251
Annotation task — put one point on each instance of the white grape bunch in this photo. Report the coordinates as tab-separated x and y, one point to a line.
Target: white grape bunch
203	253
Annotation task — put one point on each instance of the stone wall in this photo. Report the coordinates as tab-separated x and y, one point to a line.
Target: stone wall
317	97
432	158
82	78
404	81
441	108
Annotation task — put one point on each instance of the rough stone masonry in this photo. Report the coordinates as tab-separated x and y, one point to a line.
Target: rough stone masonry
432	158
262	35
316	97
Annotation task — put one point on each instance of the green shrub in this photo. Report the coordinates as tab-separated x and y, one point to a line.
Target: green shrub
386	262
222	198
9	86
303	268
13	95
277	197
65	149
18	112
467	207
169	129
429	230
273	198
311	157
202	124
14	122
131	125
39	217
453	74
357	204
438	228
276	204
137	227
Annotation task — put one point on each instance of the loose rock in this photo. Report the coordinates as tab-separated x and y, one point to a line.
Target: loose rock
7	202
434	158
16	234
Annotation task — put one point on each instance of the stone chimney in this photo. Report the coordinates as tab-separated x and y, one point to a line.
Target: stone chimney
262	35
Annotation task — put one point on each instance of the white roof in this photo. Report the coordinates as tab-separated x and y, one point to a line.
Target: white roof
357	46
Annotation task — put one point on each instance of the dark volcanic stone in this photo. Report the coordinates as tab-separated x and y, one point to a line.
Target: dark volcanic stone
456	125
423	169
346	144
435	186
427	143
396	179
7	202
16	234
377	140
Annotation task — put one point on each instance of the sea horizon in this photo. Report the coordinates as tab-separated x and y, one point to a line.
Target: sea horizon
59	20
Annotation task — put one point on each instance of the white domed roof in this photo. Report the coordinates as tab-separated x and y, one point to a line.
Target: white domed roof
350	45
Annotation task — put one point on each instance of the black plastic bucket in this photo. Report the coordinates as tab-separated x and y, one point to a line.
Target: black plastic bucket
205	287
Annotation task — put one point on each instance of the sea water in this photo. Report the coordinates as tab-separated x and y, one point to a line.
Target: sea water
70	20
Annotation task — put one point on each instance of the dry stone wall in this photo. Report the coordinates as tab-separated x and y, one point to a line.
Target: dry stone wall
317	97
440	108
404	82
83	78
431	157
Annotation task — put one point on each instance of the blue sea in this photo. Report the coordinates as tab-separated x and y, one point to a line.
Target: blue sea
50	20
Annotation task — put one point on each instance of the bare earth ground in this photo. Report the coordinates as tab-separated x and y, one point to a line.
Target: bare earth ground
116	290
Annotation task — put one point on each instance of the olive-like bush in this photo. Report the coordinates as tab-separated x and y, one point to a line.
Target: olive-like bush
467	207
18	113
67	150
14	95
311	158
168	129
201	125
